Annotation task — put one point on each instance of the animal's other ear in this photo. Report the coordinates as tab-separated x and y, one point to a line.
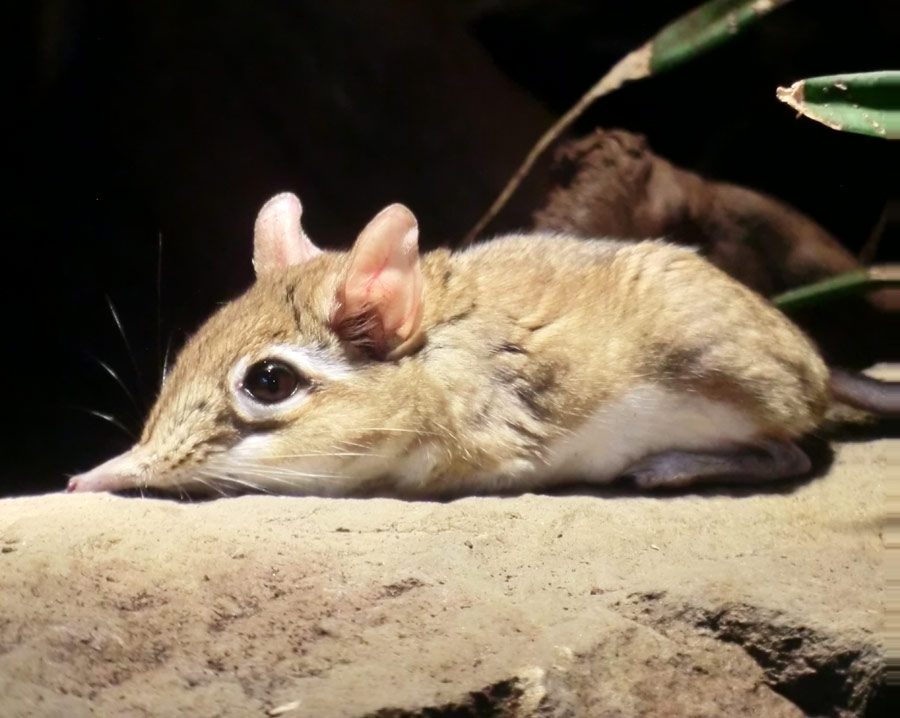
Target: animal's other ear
380	300
278	238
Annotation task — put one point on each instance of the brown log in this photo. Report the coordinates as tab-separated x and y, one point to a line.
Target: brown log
610	183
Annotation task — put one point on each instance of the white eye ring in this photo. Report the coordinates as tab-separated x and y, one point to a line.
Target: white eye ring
306	362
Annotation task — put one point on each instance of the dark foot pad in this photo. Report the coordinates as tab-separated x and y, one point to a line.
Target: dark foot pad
768	461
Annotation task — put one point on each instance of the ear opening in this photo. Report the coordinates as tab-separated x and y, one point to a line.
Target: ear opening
279	241
381	298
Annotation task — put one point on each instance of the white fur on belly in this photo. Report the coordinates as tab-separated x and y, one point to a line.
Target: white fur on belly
645	421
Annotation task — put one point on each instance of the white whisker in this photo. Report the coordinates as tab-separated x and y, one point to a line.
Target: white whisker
165	363
211	485
233	480
118	379
319	456
131	355
108	417
276	471
286	478
356	444
406	431
159	308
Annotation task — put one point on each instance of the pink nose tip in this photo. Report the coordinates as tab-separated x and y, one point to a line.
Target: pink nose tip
83	482
94	480
120	472
99	479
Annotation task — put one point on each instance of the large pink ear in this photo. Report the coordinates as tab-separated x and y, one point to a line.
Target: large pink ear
278	238
381	297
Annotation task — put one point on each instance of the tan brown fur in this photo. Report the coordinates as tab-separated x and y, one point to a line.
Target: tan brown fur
522	338
518	363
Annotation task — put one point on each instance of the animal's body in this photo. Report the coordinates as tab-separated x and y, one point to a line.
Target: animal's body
519	363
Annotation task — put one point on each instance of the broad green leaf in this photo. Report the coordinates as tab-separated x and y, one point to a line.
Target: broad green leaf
690	35
704	28
856	282
867	103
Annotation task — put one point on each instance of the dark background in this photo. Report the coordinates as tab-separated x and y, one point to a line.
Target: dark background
127	122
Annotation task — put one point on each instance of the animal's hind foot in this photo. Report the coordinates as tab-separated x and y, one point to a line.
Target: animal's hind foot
768	461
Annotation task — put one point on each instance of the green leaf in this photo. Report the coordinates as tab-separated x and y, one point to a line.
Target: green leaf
867	103
849	283
703	28
693	33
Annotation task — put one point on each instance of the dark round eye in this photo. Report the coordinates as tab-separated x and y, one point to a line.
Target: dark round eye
270	381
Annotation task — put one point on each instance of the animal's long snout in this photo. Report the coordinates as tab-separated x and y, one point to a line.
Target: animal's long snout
120	472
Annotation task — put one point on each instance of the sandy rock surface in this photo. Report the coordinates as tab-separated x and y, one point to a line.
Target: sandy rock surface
616	604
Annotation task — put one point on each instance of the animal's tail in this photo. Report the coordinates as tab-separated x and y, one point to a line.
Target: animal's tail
881	398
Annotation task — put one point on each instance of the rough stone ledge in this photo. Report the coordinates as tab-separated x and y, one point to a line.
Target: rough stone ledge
766	604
